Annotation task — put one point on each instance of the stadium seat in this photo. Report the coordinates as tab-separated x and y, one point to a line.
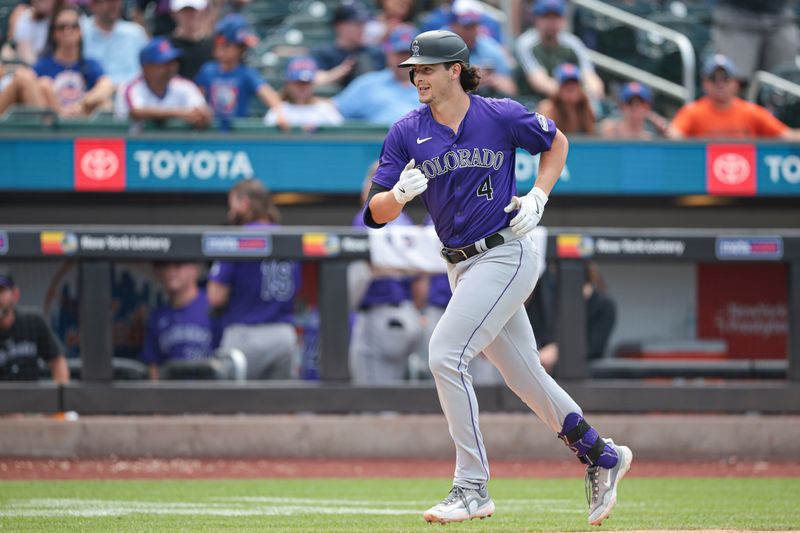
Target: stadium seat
122	369
224	365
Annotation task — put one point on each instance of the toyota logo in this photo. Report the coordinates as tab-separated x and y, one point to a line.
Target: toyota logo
99	164
731	169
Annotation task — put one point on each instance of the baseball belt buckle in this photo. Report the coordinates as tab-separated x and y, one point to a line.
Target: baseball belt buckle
451	255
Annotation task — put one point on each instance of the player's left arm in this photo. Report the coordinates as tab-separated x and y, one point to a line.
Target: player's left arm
551	163
218	294
218	288
530	207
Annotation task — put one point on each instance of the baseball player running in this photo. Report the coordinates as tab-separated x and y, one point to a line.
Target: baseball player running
456	152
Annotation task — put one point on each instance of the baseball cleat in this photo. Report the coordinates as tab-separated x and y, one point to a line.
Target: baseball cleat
601	484
461	504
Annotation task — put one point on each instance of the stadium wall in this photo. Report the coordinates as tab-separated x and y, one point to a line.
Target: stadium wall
507	436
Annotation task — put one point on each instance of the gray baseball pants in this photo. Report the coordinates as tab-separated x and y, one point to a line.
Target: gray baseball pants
270	349
383	338
487	314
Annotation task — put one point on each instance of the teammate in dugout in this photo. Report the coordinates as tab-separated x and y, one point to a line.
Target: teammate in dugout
182	329
24	339
457	152
255	299
388	323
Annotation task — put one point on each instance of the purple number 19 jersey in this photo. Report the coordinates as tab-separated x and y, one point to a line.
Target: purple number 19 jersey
471	171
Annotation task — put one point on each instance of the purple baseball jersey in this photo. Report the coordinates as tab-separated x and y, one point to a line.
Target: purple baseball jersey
261	292
179	333
471	171
386	290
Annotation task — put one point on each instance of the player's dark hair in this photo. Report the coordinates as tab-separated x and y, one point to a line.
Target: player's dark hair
261	204
470	76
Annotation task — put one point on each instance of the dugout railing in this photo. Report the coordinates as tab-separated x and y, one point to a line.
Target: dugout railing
95	248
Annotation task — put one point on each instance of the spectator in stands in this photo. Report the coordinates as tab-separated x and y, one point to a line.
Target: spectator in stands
113	42
545	46
255	299
162	23
71	84
721	113
191	36
19	88
227	83
183	328
638	120
300	107
439	17
755	34
569	107
158	94
485	53
382	97
25	338
388	324
391	13
31	29
348	56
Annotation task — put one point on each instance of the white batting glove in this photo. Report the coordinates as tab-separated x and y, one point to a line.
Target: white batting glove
411	184
530	207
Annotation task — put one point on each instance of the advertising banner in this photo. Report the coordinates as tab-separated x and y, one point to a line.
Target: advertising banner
214	164
744	304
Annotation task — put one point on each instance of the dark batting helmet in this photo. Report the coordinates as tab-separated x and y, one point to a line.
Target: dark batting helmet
437	46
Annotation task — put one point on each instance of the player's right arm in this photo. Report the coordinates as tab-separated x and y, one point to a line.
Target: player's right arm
396	182
387	205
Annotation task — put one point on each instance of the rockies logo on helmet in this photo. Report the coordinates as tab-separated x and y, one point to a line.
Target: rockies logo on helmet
415	49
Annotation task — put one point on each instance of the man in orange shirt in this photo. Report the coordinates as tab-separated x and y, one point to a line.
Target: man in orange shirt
721	113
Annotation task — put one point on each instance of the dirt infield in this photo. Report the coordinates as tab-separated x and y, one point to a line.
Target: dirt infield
148	468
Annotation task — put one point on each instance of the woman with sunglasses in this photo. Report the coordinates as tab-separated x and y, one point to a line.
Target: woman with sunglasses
71	84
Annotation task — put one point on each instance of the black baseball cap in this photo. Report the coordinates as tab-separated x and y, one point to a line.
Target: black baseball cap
437	46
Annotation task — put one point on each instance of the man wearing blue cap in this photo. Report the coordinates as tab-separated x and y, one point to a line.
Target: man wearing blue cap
545	46
382	97
721	113
227	83
158	94
24	339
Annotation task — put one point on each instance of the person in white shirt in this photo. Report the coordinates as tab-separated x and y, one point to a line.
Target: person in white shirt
300	107
159	94
111	41
30	31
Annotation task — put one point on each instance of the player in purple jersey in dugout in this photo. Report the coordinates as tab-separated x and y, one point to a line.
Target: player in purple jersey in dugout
457	153
255	299
182	329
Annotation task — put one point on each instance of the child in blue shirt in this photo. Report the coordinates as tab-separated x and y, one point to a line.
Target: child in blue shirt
227	83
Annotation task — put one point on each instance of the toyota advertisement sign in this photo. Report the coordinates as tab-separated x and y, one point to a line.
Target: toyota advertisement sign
317	164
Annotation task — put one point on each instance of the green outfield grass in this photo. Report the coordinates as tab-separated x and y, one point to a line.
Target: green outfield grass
372	505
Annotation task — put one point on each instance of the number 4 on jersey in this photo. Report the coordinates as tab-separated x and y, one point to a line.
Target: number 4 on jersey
485	188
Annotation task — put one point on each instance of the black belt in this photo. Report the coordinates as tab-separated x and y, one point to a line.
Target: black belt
456	255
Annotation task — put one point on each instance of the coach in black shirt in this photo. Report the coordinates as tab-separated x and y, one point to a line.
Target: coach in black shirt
24	339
